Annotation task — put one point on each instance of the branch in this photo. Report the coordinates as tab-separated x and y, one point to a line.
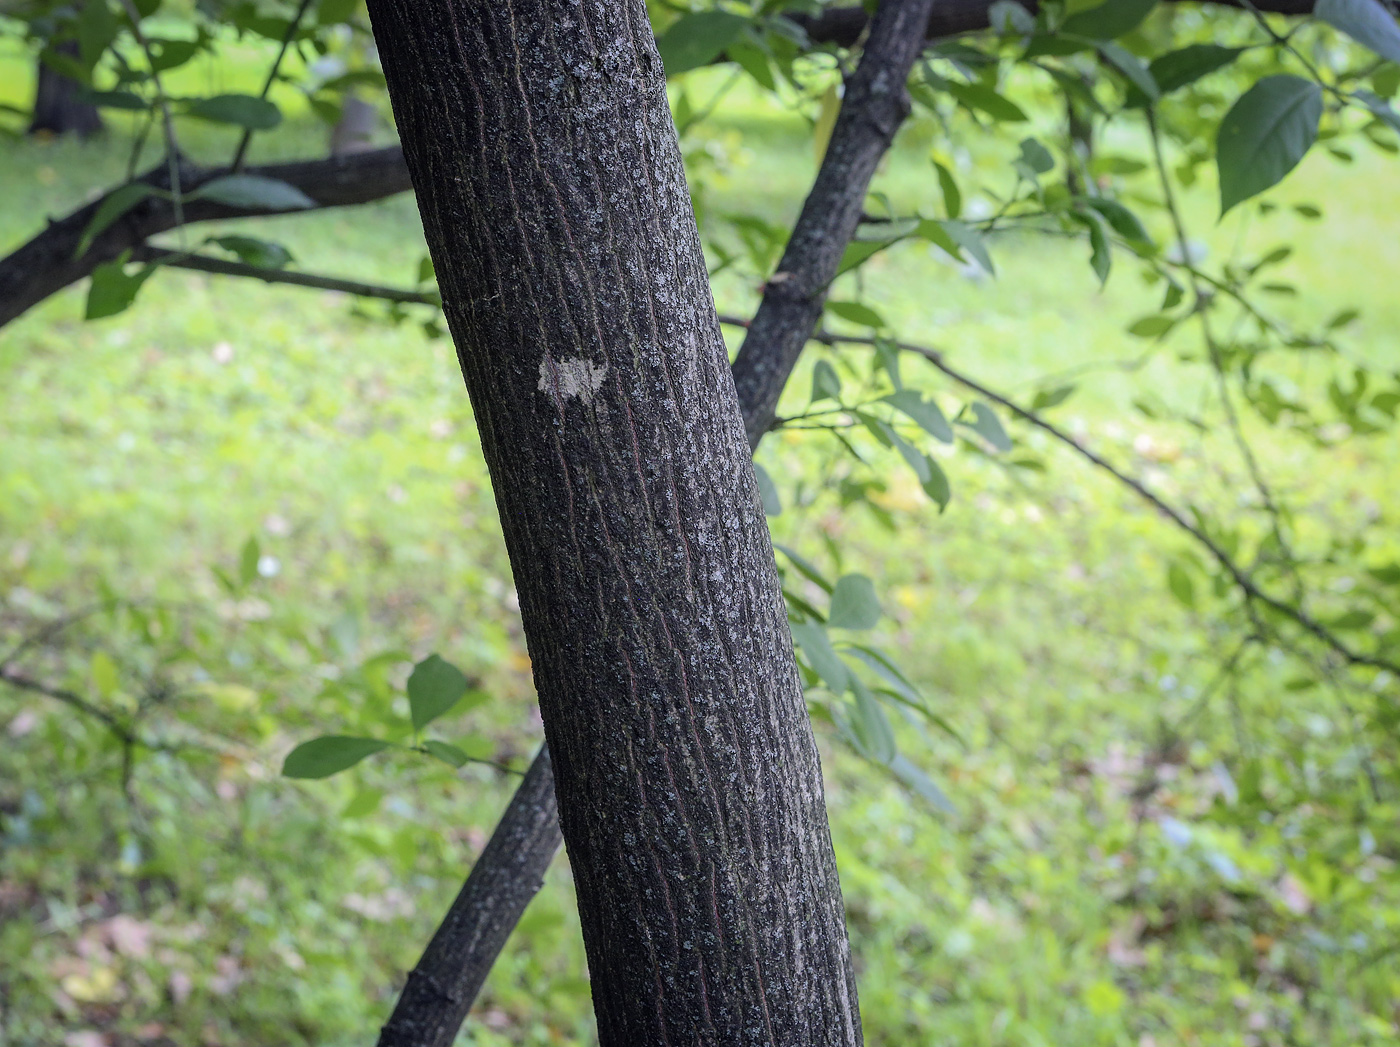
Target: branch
1238	574
223	267
48	263
874	105
15	678
843	26
507	875
241	152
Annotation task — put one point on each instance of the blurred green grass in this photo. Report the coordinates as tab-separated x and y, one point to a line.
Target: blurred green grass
143	451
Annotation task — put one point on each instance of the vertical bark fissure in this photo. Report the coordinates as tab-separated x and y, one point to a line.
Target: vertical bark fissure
689	787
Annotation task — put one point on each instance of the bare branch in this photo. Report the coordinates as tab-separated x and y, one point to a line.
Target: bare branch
236	164
224	267
1251	589
49	262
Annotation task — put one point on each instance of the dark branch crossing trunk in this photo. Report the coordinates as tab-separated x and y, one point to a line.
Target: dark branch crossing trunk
50	261
554	201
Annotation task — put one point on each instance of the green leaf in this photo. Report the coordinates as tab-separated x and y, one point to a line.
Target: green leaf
448	754
952	197
434	686
334	12
988	425
1180	583
1036	158
1387	574
854	604
1368	22
857	251
97	28
246	111
806	568
170	54
115	204
821	656
937	486
767	491
115	100
1152	326
112	289
248	561
826	383
104	674
971	241
1177	69
1133	69
323	757
920	783
697	39
982	98
1264	135
364	802
870	726
251	251
1110	20
1100	250
254	193
925	413
856	313
1048	398
1380	109
1121	220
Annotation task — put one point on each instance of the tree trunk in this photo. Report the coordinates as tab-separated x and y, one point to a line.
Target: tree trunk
59	108
553	197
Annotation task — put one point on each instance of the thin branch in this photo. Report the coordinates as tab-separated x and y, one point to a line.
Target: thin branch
49	262
1201	307
223	267
238	154
15	678
875	104
172	147
1238	574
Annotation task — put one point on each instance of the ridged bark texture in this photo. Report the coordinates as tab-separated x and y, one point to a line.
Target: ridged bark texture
553	196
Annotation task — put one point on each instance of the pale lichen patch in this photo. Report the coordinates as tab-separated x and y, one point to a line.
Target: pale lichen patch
571	377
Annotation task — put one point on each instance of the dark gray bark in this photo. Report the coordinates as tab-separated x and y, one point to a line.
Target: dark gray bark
59	106
876	103
554	201
50	261
442	1014
507	874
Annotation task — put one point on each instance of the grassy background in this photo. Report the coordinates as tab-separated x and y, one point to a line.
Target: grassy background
212	902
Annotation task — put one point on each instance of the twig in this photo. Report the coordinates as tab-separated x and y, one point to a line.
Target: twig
172	148
236	164
1238	574
15	678
1201	307
222	267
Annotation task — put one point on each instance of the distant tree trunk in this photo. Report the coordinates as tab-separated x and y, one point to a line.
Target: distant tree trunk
59	107
553	197
354	131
